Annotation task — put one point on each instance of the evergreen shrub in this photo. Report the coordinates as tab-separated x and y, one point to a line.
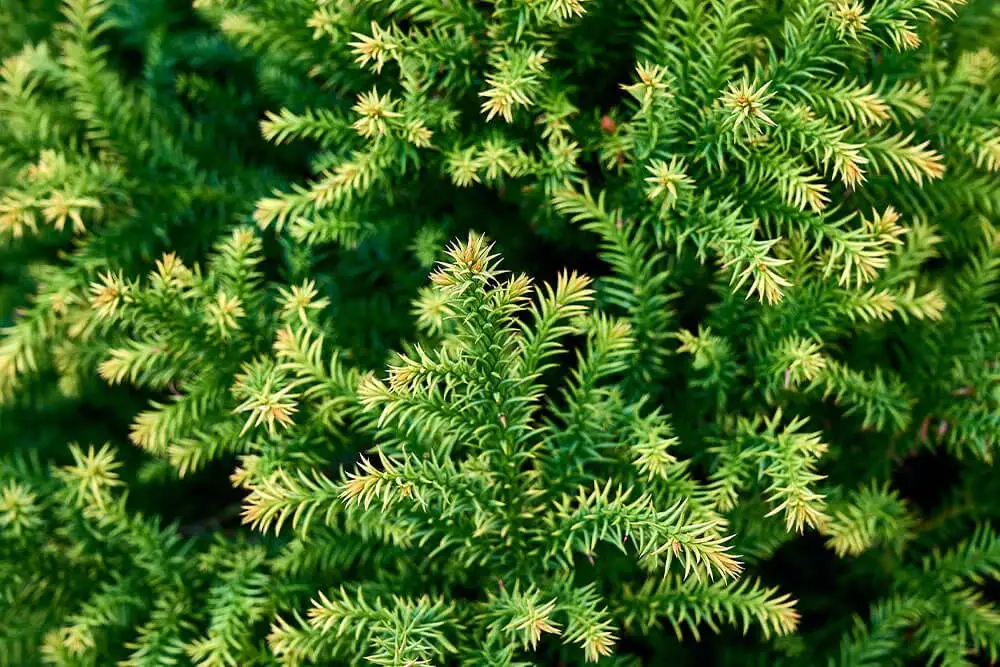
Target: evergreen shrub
499	332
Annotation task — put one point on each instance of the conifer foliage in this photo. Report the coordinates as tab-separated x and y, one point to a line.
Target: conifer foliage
503	333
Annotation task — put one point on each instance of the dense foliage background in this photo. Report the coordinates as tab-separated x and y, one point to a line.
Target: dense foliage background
506	332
